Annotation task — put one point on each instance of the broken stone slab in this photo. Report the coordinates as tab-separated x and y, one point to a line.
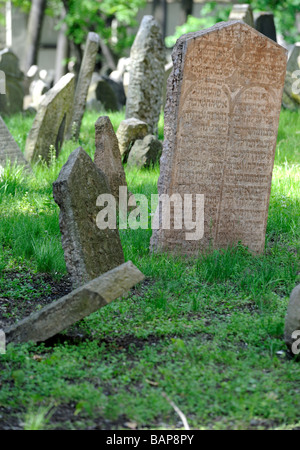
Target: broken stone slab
292	319
107	155
89	251
9	149
83	84
145	152
52	121
73	307
128	132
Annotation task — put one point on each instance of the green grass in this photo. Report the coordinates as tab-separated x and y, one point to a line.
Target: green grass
206	331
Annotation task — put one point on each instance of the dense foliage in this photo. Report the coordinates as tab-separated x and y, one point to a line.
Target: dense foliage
94	15
284	12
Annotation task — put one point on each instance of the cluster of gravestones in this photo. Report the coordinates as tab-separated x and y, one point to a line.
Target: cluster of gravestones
221	123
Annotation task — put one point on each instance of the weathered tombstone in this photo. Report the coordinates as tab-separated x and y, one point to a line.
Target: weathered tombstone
221	122
12	101
52	120
264	23
80	303
83	84
242	12
291	92
9	149
128	132
144	99
145	152
89	251
105	92
292	319
107	155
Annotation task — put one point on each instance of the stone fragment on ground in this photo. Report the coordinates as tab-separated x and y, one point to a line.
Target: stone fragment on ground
73	307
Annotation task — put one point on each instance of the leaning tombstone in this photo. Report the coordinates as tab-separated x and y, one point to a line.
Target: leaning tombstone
9	149
144	97
83	84
264	23
221	123
89	251
52	121
292	320
12	101
291	92
242	12
59	315
107	155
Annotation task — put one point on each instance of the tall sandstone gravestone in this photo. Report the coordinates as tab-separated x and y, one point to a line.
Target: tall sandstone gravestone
89	251
145	91
291	92
51	121
9	149
221	123
83	84
107	155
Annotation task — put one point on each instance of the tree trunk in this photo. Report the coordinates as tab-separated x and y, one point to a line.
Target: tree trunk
62	51
34	29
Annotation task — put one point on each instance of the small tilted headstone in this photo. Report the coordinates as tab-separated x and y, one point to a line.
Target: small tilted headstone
51	122
147	71
89	251
80	303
